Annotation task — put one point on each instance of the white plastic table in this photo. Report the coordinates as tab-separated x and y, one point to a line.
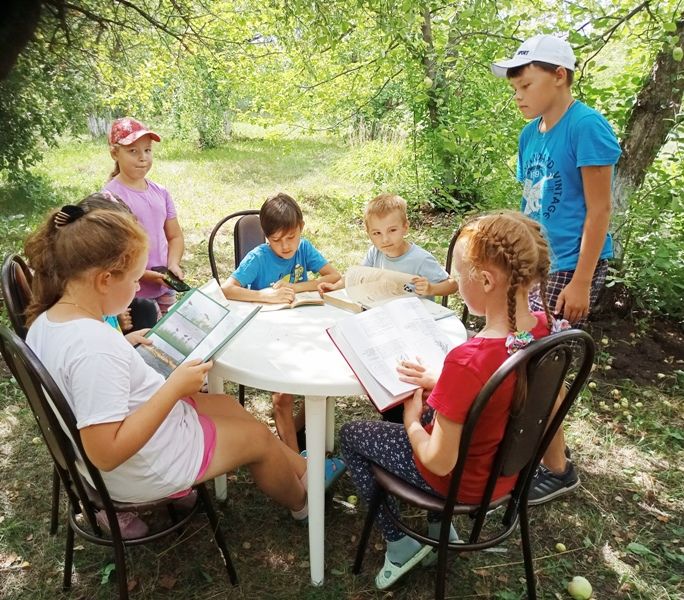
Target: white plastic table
289	351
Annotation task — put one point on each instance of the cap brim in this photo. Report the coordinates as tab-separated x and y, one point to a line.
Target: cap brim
136	135
500	68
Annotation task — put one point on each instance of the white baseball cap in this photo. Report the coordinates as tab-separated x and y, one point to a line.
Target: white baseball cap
542	48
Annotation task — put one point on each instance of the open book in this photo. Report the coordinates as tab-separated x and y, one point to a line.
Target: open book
195	327
301	299
374	342
368	287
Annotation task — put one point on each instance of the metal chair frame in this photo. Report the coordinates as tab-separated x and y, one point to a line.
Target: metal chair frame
527	436
247	235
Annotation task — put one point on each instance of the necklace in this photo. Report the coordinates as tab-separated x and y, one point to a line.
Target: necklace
83	308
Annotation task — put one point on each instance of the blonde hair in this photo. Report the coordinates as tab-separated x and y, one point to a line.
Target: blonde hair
383	205
514	244
105	239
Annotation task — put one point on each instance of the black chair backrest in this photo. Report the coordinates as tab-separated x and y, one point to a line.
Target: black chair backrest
247	235
546	363
16	279
55	419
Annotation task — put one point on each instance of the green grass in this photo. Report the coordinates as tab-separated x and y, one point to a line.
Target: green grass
623	528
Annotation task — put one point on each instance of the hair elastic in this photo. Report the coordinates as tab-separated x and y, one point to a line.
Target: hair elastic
68	214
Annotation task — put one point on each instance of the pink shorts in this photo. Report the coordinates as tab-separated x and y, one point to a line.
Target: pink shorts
209	432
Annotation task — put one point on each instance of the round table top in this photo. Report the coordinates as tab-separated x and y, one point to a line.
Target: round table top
290	351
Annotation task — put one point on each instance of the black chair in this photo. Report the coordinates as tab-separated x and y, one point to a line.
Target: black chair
546	363
16	279
447	266
86	491
247	235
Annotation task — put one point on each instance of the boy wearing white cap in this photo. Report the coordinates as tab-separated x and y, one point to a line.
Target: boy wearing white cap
566	156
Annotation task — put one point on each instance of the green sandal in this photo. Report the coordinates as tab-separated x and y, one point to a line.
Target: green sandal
390	573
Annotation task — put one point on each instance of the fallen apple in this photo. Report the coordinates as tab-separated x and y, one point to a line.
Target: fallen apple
560	547
353	500
579	588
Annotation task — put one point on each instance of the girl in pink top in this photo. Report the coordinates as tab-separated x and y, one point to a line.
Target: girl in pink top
130	145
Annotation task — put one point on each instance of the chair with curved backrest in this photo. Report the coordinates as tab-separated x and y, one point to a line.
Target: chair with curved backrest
247	235
16	282
546	363
16	279
85	488
447	266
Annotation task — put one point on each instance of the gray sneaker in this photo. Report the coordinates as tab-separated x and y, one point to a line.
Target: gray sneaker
548	485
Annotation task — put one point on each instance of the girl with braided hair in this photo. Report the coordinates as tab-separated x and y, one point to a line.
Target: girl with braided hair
498	258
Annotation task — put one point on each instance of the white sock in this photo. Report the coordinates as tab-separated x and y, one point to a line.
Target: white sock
433	531
302	513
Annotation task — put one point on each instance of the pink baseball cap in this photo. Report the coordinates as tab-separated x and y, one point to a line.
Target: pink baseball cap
126	130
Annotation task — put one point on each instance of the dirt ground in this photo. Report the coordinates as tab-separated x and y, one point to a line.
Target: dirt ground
641	348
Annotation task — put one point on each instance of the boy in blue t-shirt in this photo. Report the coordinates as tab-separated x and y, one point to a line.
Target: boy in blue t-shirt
566	156
272	273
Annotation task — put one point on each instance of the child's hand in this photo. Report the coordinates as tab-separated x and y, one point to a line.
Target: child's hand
153	277
422	286
188	378
176	270
326	286
282	284
277	295
125	320
416	374
413	407
138	337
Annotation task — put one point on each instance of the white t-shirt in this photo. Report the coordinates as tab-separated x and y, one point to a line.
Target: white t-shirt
104	380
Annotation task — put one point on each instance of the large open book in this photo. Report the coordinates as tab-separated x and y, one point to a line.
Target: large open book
375	341
368	287
195	327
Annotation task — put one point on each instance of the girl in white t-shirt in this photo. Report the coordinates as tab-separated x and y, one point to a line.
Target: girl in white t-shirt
151	437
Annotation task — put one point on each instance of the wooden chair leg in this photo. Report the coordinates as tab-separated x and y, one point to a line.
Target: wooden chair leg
54	512
367	527
527	553
218	533
68	557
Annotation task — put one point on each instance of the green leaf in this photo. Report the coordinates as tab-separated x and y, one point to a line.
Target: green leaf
106	573
639	549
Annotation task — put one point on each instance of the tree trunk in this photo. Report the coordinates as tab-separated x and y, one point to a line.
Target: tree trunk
648	126
18	21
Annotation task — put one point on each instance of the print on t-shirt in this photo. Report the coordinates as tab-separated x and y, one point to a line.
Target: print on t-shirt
540	178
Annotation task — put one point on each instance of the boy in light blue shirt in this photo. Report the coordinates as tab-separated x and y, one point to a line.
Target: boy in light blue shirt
387	225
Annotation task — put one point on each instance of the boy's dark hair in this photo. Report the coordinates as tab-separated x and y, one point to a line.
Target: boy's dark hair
544	66
280	213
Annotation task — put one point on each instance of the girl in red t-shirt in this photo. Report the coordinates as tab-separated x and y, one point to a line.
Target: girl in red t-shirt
498	257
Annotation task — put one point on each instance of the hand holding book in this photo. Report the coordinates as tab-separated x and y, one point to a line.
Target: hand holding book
415	373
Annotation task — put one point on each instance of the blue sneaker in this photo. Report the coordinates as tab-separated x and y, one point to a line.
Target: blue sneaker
334	469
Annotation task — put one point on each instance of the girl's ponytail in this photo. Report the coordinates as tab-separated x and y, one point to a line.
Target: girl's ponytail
115	171
74	240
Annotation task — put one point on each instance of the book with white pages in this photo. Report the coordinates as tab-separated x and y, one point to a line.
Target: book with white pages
197	326
368	287
376	341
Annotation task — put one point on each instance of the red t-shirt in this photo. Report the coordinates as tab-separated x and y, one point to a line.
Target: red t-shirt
466	370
